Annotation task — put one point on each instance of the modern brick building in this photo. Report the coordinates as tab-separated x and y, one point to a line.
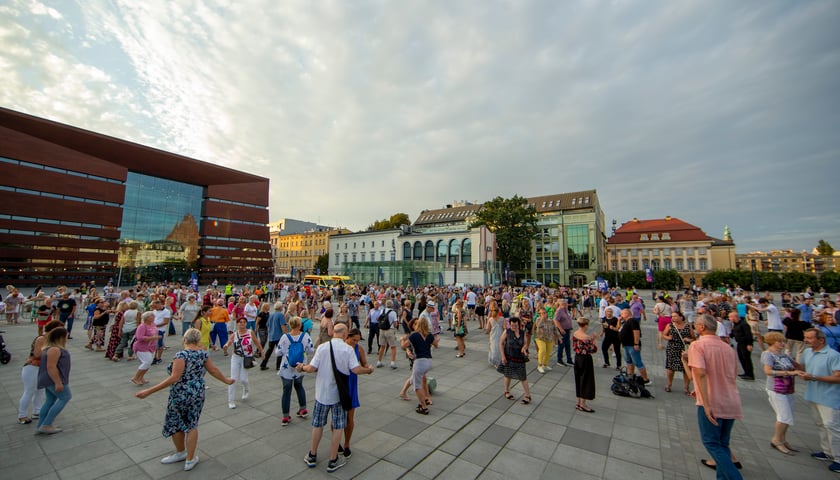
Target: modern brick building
80	206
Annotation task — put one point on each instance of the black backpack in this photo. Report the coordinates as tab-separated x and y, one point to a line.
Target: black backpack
624	385
384	320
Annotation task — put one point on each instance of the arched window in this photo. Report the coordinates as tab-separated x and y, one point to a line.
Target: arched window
454	251
429	254
442	251
406	251
418	251
466	252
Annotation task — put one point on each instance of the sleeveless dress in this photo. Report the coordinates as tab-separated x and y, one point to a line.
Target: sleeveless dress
354	381
674	348
584	368
515	366
186	397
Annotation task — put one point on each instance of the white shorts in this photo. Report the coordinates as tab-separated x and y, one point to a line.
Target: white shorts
145	359
782	405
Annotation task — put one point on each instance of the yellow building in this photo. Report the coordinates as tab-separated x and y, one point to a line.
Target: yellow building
669	244
781	261
300	250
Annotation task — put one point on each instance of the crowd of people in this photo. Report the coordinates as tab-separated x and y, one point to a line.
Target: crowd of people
799	341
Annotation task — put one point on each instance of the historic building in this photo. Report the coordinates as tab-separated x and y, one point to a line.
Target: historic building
296	253
81	206
669	244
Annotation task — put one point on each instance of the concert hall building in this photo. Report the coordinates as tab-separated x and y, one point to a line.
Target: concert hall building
80	206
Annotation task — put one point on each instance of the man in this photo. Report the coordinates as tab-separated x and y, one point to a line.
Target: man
326	393
713	366
742	333
822	372
563	324
430	315
353	309
372	323
162	318
388	323
774	320
807	309
637	308
471	299
630	336
67	311
277	326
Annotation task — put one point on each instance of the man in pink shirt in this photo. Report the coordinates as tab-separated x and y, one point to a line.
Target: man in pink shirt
714	366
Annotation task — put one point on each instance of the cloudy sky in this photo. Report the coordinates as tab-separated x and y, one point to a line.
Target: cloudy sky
716	112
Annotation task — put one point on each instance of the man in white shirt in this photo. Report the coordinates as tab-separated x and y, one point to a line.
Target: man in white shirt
774	320
326	393
162	318
471	298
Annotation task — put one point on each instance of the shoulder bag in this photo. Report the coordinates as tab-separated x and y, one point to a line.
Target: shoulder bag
342	381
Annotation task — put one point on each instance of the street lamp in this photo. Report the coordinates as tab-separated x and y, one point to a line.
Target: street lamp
615	253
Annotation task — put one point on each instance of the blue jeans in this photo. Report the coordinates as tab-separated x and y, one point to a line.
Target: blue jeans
67	320
716	441
564	345
53	404
633	357
286	399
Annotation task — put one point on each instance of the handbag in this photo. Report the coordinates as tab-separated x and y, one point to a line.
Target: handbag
342	381
248	361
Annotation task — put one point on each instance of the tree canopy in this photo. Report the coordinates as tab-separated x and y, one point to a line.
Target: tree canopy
825	248
395	221
322	264
514	222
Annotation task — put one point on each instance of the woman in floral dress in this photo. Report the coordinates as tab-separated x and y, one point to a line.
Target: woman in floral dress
186	397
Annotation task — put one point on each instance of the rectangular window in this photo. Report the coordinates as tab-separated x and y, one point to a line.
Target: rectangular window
633	252
577	246
689	251
702	250
624	253
666	251
655	252
680	264
703	264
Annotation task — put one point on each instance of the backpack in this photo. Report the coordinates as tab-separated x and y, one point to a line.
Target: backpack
306	325
386	324
626	386
295	354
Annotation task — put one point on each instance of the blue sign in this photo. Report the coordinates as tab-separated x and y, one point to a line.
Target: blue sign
648	275
602	284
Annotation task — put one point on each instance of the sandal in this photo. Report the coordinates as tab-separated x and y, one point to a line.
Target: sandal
584	409
421	410
24	421
667	388
428	402
509	396
781	447
526	400
786	444
405	397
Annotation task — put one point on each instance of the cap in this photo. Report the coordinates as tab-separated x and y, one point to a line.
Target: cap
430	304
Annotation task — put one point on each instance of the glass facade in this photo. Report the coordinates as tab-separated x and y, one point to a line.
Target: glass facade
577	243
159	234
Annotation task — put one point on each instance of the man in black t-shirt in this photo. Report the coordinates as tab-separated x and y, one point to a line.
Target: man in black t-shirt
630	335
67	310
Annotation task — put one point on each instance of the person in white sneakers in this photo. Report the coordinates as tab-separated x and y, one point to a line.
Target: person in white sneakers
388	324
186	398
244	342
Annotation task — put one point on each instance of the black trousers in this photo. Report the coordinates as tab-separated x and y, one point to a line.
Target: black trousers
272	345
611	340
373	331
745	357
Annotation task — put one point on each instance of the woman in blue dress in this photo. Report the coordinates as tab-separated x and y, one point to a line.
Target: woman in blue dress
353	339
186	397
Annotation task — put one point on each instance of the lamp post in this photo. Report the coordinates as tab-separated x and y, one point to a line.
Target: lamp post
615	253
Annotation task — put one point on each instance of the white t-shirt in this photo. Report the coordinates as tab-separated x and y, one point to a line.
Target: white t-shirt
129	321
251	311
721	330
471	298
602	305
162	316
774	321
326	391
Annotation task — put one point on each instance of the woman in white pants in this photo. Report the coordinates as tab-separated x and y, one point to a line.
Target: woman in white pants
244	342
33	397
145	344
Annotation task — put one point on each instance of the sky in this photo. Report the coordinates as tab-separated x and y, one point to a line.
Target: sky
715	112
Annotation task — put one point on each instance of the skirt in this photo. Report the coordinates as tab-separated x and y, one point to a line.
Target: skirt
584	377
513	370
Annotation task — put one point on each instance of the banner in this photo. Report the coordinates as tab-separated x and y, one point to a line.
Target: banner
649	275
194	282
602	284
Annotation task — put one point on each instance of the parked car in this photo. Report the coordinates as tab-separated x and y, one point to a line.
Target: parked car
530	282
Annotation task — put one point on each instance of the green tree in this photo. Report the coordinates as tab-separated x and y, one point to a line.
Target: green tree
323	263
830	281
394	221
825	248
514	222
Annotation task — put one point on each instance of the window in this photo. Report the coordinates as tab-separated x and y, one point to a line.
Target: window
633	252
624	253
635	265
624	265
654	265
689	251
382	256
678	251
702	250
666	236
442	251
679	264
614	265
337	258
429	251
454	251
577	245
703	265
418	251
354	256
354	245
345	258
363	244
466	251
654	236
667	264
645	252
573	202
406	251
363	256
691	264
383	243
643	237
666	251
655	252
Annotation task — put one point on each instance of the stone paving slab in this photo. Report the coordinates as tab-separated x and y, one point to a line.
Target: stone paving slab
472	431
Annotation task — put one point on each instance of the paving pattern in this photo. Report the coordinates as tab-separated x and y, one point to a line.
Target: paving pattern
472	431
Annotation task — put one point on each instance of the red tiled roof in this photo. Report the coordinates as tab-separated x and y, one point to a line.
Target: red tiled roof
677	230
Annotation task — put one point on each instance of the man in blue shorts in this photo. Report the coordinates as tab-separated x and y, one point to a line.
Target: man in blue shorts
630	335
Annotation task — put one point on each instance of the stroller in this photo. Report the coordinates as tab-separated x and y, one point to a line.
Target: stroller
5	355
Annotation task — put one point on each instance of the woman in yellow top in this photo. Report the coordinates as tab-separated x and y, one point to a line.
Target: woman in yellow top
203	324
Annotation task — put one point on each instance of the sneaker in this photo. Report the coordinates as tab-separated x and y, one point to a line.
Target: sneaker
310	460
231	405
834	467
302	413
646	382
606	365
540	369
174	458
335	464
344	451
378	364
190	464
156	361
245	395
547	368
821	456
285	421
393	365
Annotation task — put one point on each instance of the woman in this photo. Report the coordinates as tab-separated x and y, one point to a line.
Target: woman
480	311
325	328
662	310
513	357
188	312
54	378
99	320
186	397
584	346
32	397
495	326
130	322
251	311
245	343
406	317
459	325
13	304
421	342
354	336
45	314
781	370
678	334
544	334
116	333
262	322
146	337
292	378
344	315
